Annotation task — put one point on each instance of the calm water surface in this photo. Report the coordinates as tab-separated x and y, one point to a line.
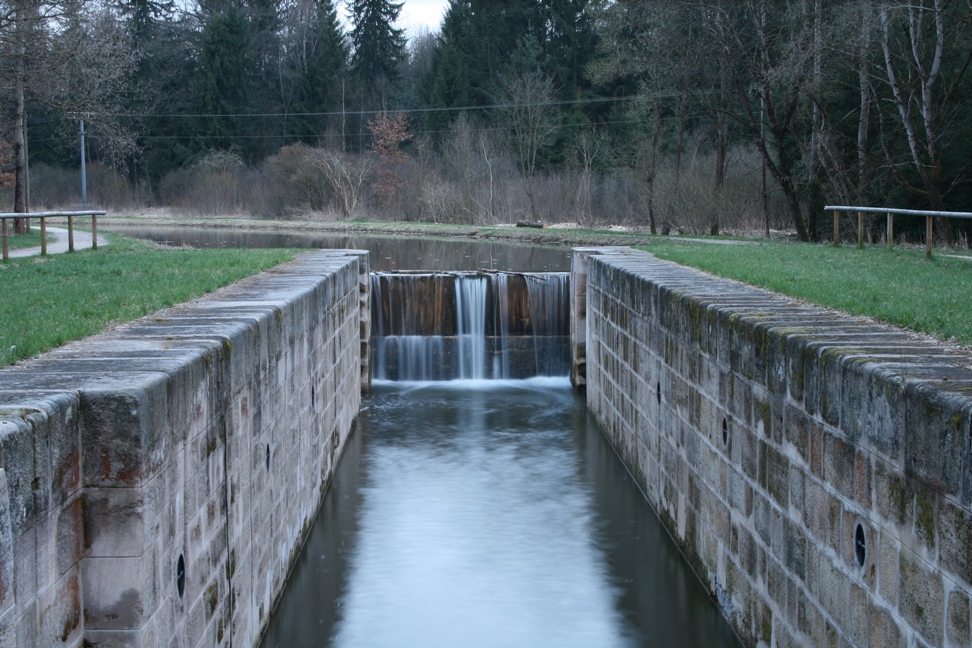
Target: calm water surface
386	253
488	513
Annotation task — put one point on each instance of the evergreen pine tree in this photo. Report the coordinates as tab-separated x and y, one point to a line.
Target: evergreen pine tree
319	60
571	43
379	47
225	81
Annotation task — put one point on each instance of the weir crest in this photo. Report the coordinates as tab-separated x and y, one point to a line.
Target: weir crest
470	325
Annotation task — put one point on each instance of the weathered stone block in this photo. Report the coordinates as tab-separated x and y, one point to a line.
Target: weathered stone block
884	421
839	461
59	612
125	431
883	629
817	509
810	621
774	474
17	456
938	437
7	573
955	533
120	593
888	558
25	566
118	521
957	623
834	592
922	598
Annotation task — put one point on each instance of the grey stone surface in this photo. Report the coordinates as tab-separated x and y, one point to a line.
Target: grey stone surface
831	423
123	452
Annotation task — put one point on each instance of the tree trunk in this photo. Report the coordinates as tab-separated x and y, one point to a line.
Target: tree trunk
793	205
680	135
720	181
863	124
652	169
20	152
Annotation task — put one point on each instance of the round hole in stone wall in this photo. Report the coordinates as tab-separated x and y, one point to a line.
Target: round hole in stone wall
181	575
658	393
860	545
268	457
725	432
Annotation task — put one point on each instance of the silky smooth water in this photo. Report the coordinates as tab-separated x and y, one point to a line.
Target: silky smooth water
488	513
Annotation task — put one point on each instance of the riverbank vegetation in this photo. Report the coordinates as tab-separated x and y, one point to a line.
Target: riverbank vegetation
899	287
53	300
700	116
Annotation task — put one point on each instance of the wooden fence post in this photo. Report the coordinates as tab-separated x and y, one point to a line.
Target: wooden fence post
836	228
70	233
890	230
43	236
928	236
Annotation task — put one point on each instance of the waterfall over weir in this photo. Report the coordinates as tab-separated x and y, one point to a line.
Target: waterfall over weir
470	325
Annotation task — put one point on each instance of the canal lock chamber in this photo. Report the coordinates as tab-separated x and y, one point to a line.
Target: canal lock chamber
477	503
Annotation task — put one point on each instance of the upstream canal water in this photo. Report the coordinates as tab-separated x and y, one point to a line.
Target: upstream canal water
481	512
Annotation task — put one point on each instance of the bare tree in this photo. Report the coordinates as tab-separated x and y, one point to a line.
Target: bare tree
346	174
588	147
70	56
865	39
771	48
645	43
527	98
916	40
97	79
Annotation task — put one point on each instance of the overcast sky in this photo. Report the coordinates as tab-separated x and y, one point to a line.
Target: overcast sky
417	14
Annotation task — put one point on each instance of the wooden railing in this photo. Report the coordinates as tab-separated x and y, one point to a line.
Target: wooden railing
43	216
891	213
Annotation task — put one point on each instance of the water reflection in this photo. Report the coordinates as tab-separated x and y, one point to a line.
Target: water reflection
386	253
488	513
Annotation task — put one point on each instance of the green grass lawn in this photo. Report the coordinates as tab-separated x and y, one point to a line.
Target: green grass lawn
33	239
46	302
899	287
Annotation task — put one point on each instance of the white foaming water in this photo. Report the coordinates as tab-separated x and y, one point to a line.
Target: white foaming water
471	326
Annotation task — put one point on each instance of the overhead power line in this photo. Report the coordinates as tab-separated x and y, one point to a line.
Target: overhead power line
339	113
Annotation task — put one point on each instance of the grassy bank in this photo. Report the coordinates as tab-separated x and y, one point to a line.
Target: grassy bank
64	297
33	239
899	287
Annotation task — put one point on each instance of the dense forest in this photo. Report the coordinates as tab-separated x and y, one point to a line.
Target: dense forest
694	115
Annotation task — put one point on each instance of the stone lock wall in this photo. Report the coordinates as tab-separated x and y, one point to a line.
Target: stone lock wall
157	480
814	467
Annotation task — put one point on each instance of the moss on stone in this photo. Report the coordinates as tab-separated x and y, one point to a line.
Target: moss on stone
212	598
925	519
900	495
767	625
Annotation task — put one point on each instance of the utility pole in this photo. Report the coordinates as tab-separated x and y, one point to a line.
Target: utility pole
84	176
